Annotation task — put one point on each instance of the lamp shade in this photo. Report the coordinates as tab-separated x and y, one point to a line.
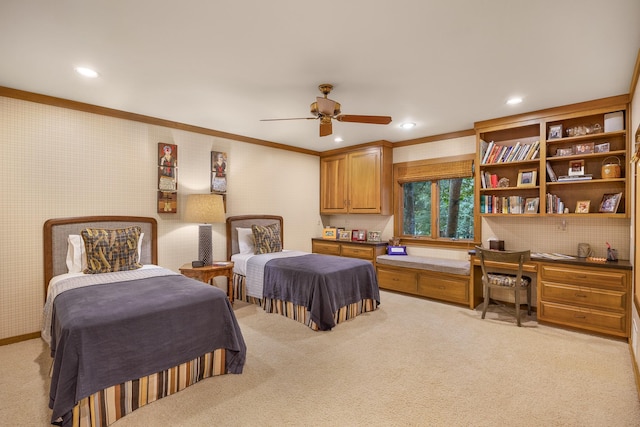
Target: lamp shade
204	208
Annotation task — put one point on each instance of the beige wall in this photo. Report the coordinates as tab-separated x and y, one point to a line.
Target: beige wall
61	163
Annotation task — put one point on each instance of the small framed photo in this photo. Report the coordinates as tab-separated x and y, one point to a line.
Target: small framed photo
555	132
586	148
582	206
344	234
359	235
601	148
560	152
527	177
576	168
373	236
329	233
610	202
531	205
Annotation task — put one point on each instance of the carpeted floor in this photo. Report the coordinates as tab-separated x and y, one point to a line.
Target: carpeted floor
413	362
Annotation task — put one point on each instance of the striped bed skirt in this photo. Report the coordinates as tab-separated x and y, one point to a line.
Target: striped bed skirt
297	312
105	407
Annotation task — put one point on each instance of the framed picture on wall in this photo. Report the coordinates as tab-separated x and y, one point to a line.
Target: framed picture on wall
219	166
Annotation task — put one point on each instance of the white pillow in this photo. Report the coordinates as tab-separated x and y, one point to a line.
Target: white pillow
77	257
246	243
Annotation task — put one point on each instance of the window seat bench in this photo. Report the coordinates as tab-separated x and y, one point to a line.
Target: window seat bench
437	278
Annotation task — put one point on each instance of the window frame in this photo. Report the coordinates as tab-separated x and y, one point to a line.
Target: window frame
421	170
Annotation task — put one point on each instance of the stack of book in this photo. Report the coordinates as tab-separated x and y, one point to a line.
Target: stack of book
575	177
494	153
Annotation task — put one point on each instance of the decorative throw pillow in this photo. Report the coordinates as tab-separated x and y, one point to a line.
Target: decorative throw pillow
267	238
111	250
246	243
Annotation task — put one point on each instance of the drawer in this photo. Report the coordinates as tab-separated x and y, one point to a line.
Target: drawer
325	248
397	280
594	320
444	288
355	251
583	296
602	277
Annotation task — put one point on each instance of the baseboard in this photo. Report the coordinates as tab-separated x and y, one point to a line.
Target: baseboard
636	372
19	338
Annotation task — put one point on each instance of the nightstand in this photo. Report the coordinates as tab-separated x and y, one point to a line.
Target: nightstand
208	272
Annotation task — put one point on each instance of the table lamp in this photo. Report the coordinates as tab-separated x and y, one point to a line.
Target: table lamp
205	209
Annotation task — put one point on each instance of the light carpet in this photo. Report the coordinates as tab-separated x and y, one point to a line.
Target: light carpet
413	362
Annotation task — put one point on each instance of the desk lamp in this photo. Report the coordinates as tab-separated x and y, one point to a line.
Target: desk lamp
205	209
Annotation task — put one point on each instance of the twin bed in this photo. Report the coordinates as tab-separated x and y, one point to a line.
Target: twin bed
317	290
124	332
122	339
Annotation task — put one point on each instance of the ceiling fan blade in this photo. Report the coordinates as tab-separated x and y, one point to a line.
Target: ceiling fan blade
376	120
294	118
326	106
326	128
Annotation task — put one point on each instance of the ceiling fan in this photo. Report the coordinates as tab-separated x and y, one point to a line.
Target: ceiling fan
326	109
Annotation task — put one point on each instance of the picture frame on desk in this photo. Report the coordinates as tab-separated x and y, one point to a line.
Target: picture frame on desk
527	177
555	132
373	236
359	235
329	233
610	202
344	234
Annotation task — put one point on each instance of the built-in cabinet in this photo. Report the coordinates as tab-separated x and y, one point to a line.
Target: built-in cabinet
363	250
589	298
357	181
566	160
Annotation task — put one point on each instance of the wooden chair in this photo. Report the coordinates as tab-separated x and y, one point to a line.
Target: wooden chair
491	279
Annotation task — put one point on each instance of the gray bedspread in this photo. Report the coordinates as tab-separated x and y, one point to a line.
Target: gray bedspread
321	283
107	334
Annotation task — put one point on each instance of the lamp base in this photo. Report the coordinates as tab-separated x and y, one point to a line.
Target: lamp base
205	246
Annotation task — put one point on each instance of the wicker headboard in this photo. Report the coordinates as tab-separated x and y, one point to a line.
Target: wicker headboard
246	221
55	232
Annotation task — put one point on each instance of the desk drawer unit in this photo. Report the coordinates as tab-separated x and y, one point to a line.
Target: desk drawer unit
325	248
362	252
595	299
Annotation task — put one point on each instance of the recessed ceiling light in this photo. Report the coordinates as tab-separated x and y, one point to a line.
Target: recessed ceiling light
514	101
338	139
407	125
87	72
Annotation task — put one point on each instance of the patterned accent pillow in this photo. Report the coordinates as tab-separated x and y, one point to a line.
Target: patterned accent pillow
111	250
267	238
507	280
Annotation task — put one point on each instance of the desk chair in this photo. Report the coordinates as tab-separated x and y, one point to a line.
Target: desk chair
492	279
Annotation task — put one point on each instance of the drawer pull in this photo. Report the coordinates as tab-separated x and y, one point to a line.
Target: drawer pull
581	276
581	316
581	295
442	287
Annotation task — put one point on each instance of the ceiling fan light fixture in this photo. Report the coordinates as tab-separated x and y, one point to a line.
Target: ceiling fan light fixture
407	125
87	72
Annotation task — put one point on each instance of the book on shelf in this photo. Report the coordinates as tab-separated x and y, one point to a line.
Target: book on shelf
551	173
565	178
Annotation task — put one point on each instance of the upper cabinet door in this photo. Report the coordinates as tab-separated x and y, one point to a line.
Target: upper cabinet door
333	184
364	181
357	181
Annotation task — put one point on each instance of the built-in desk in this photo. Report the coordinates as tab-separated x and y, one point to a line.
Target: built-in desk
592	296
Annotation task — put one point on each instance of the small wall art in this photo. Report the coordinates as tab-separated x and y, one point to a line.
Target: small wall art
219	167
167	178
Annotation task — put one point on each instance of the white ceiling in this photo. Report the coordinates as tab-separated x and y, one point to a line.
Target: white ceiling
226	64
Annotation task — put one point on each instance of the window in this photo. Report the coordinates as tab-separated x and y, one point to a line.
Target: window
435	201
